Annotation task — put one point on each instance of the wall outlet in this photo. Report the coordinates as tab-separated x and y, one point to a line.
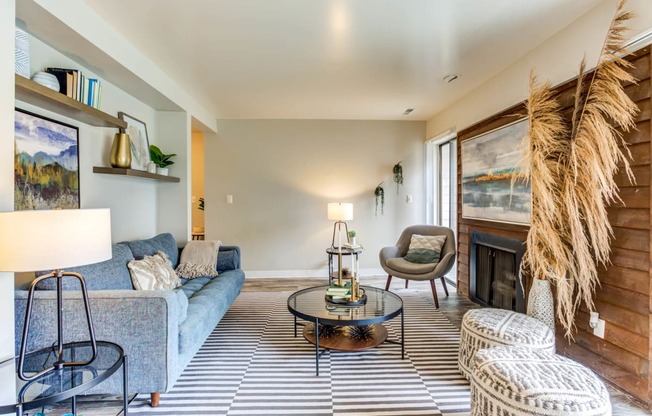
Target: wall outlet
408	199
598	331
229	199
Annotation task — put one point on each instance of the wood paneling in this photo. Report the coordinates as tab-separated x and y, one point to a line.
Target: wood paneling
623	300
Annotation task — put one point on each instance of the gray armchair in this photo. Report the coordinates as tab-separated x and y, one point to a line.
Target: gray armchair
392	261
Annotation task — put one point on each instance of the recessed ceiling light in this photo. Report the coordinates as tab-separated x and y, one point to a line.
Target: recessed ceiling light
408	111
450	78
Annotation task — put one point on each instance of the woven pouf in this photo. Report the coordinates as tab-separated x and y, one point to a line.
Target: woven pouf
516	381
491	327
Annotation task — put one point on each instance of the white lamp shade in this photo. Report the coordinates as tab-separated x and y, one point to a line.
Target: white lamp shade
53	239
340	211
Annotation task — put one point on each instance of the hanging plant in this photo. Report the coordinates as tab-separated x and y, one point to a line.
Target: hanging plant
380	197
398	175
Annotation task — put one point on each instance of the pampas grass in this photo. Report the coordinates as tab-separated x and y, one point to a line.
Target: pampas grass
571	167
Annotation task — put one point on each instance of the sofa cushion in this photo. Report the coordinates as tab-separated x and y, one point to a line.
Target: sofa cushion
228	259
112	274
153	273
206	306
183	304
162	242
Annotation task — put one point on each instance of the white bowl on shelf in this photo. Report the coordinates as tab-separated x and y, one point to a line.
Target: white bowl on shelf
46	79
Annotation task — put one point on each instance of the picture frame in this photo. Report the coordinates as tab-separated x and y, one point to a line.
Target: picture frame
137	131
46	163
489	161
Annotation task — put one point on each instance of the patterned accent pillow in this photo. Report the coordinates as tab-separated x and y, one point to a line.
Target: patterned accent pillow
153	273
425	248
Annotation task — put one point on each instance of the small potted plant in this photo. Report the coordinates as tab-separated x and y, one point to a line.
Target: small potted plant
352	235
160	159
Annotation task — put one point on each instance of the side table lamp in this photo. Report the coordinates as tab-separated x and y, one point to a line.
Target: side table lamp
340	212
53	240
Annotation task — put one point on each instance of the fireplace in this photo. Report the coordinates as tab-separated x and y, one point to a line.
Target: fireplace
494	263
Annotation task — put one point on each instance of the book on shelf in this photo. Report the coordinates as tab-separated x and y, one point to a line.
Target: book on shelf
65	78
74	84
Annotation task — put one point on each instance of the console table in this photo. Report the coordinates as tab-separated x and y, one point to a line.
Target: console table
59	385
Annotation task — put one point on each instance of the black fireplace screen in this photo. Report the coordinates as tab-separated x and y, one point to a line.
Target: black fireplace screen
494	271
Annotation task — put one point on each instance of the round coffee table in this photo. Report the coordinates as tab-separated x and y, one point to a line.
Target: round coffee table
310	305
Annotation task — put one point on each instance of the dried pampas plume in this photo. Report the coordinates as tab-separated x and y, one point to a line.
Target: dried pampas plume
571	167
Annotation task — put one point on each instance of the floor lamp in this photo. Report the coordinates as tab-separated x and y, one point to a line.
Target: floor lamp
340	212
53	240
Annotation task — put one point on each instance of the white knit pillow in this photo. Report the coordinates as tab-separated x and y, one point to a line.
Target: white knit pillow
153	273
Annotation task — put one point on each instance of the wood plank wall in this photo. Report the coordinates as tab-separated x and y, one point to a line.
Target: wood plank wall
623	357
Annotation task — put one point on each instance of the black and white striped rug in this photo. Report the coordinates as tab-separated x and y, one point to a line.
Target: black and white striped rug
253	365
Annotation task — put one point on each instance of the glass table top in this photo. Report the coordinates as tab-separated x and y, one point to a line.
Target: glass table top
310	304
68	380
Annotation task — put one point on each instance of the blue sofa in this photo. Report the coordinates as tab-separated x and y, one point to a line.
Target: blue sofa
159	330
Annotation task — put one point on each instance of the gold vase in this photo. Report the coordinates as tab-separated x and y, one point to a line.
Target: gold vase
120	151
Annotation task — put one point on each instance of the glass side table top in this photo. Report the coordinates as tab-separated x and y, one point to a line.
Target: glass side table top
58	385
310	304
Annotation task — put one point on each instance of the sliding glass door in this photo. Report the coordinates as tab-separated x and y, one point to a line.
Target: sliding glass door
441	183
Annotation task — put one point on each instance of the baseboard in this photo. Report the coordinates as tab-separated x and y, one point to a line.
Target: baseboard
308	274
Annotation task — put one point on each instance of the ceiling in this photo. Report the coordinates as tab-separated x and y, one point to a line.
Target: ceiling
334	59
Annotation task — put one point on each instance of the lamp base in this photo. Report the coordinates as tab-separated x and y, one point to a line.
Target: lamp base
60	363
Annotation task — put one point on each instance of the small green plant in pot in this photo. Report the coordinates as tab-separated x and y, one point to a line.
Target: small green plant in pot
351	235
160	159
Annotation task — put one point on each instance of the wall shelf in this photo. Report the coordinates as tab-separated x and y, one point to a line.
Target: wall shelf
38	95
134	173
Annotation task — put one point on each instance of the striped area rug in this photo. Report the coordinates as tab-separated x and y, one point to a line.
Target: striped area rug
253	365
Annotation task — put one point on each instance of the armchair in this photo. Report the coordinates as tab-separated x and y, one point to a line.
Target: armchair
392	261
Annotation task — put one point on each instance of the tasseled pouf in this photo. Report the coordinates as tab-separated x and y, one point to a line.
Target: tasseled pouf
492	327
517	381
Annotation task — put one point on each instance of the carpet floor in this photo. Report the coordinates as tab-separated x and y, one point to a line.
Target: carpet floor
253	365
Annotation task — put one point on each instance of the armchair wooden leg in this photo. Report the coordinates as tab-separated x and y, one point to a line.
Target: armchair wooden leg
443	282
389	280
406	283
155	399
434	292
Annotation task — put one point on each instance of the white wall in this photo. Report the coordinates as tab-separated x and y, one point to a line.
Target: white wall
556	60
132	201
7	16
173	199
282	174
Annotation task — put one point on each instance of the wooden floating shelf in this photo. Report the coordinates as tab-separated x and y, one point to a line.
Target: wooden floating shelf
38	95
134	173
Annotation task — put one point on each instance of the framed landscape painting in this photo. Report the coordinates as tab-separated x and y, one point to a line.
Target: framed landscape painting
137	131
489	162
46	163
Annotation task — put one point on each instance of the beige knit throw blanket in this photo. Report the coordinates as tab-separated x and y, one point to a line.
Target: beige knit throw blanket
199	258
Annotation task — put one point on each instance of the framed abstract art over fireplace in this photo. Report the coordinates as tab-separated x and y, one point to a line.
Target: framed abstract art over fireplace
489	161
46	163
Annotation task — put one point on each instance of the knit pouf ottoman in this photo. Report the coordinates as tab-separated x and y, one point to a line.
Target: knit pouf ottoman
491	327
515	381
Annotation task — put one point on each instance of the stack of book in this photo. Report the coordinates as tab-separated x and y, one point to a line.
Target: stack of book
78	87
338	292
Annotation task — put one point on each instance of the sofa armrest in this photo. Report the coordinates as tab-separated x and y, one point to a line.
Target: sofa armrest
228	258
144	323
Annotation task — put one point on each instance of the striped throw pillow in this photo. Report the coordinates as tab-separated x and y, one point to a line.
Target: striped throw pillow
425	248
